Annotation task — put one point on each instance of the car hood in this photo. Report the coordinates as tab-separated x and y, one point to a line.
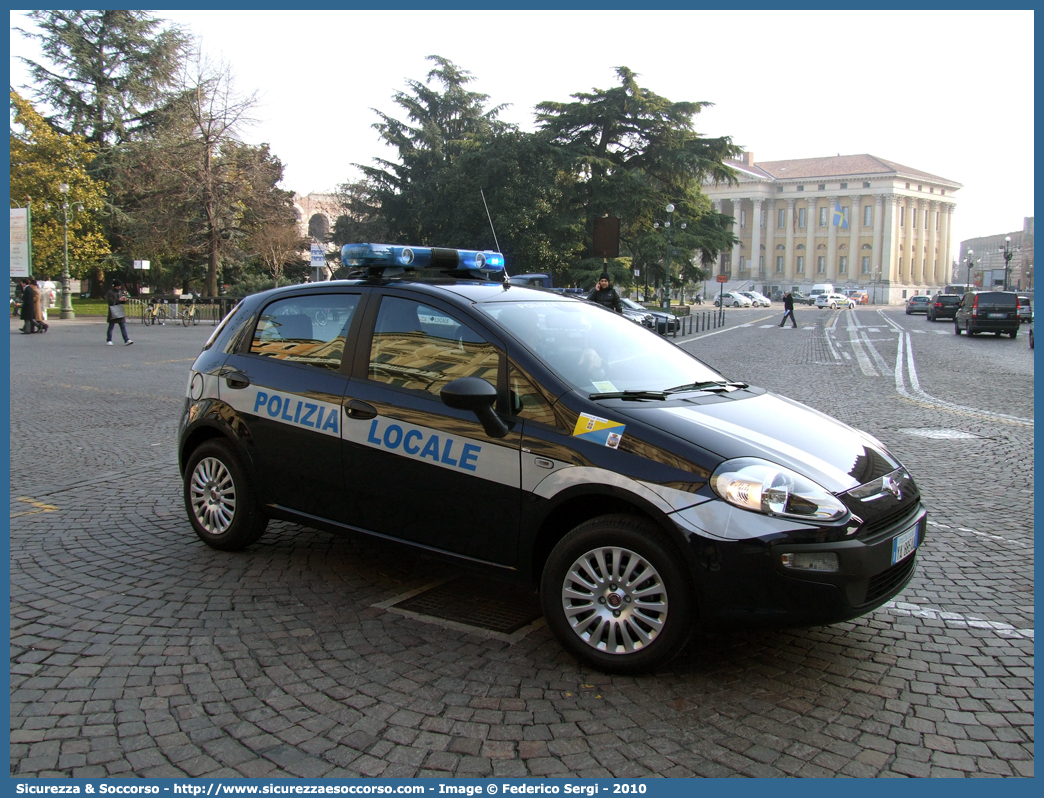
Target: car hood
746	424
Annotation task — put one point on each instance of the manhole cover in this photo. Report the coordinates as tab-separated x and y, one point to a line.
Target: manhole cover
487	605
939	434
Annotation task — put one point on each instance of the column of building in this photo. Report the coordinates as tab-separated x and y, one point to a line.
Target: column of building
810	241
877	252
890	242
718	269
770	235
855	219
947	254
831	274
737	232
932	273
755	237
789	261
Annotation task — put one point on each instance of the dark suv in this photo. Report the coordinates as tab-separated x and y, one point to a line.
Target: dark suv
988	311
943	306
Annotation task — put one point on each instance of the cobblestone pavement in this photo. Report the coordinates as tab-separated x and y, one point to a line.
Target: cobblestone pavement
138	651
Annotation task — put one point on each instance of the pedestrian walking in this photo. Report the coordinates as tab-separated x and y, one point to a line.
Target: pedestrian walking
39	325
788	310
25	312
115	299
605	295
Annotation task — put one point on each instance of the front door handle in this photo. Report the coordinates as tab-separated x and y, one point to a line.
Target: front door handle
357	409
236	379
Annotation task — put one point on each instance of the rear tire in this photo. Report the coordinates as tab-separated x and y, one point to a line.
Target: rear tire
956	328
614	594
1014	334
220	501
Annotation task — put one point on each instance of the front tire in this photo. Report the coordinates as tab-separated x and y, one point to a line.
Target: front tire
614	595
220	500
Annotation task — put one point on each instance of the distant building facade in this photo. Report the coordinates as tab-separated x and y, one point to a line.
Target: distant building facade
316	214
987	260
852	220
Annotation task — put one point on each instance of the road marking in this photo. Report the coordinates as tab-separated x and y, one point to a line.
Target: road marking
39	507
955	619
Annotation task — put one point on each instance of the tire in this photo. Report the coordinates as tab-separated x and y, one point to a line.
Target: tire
833	306
1014	334
577	596
220	500
184	320
956	327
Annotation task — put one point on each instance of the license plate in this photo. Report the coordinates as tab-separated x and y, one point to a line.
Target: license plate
997	316
903	545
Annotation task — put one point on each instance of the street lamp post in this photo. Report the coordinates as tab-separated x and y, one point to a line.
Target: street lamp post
1007	253
968	260
67	310
667	226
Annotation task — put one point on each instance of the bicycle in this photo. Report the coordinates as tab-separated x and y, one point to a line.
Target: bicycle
155	312
190	314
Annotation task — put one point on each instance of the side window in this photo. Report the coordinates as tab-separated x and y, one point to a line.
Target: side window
305	329
526	400
419	347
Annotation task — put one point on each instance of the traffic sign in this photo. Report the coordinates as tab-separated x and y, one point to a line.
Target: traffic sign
722	278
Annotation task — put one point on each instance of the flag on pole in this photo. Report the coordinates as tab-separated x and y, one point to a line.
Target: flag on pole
840	216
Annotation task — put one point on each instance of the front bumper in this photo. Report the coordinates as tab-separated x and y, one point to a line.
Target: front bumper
746	581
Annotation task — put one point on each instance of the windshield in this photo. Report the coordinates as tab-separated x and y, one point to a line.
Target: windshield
595	350
630	304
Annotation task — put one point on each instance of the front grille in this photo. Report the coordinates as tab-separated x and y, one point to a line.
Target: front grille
887	581
901	517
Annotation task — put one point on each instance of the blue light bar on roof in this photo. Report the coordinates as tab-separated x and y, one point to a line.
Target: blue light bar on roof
388	256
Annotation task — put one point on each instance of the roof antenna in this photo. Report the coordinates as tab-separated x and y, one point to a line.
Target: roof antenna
490	220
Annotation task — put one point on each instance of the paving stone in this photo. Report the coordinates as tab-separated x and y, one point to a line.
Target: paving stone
137	651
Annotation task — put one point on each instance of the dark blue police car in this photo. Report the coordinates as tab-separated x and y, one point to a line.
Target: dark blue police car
544	438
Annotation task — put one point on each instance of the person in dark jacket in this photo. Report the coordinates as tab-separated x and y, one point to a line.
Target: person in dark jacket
115	299
788	310
39	325
26	311
605	295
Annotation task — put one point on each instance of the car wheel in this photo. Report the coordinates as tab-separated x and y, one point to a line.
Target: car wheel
956	328
833	306
1014	334
220	500
1031	339
615	596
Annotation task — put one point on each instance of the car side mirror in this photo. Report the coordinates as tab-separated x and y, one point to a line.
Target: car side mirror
478	396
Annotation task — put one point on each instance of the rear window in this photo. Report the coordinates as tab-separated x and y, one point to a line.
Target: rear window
948	299
996	298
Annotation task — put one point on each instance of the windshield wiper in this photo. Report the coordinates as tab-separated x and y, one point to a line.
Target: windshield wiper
712	385
661	395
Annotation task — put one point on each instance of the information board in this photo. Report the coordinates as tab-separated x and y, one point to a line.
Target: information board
21	246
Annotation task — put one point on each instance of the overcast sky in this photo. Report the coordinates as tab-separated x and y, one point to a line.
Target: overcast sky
945	92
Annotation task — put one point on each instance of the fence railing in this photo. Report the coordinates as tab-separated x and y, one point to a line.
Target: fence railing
208	310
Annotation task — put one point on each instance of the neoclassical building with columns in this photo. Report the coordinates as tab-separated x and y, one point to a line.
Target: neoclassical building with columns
857	221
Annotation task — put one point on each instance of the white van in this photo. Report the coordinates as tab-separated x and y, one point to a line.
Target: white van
821	288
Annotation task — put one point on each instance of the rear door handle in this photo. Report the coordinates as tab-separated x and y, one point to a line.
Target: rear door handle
357	409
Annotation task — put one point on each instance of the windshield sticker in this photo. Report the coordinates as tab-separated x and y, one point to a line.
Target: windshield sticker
604	386
598	430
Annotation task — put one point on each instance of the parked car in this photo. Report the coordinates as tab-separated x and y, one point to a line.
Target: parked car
647	495
638	314
757	300
801	298
732	299
988	311
859	296
918	303
943	306
659	320
834	301
1025	308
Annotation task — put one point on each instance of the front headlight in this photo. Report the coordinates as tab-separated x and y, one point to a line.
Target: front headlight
764	487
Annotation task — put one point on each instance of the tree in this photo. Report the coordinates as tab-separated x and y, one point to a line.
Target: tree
443	124
41	160
112	69
110	74
631	153
277	244
359	218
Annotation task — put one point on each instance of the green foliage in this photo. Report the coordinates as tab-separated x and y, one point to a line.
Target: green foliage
41	160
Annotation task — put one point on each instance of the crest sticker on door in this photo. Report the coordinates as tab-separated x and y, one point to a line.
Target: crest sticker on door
598	430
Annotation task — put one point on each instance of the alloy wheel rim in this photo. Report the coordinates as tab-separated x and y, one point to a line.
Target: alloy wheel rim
614	600
212	493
